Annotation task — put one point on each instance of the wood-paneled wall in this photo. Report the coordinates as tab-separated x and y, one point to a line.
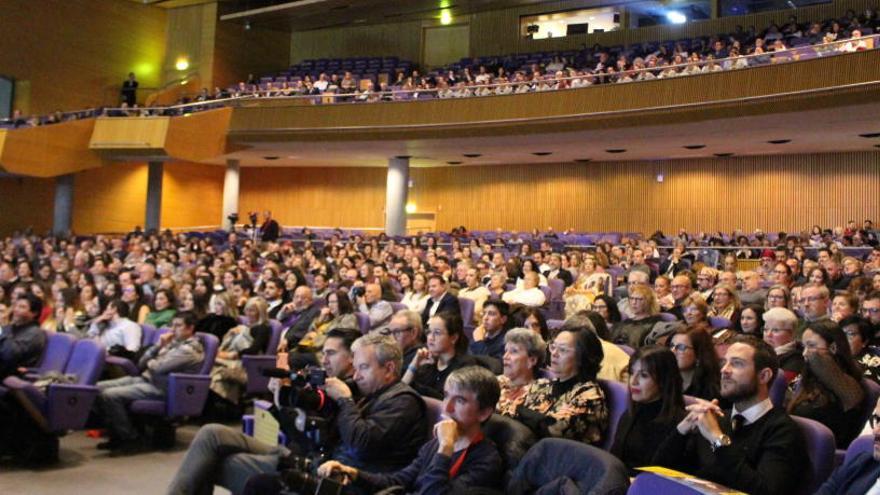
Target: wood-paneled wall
315	196
26	202
239	52
192	195
76	53
400	39
772	193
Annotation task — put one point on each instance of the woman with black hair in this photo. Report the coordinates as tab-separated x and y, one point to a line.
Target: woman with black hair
697	362
829	389
607	307
445	352
751	320
572	405
656	406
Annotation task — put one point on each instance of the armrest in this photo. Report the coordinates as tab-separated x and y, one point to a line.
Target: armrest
187	394
253	365
129	367
26	390
68	406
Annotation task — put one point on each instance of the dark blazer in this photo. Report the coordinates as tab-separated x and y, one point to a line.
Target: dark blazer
639	432
448	303
766	457
563	275
855	477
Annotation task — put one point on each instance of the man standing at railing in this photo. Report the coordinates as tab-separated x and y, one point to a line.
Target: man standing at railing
129	90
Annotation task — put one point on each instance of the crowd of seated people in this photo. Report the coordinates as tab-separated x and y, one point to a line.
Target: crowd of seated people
691	343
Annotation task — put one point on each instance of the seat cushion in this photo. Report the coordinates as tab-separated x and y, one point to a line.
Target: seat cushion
151	407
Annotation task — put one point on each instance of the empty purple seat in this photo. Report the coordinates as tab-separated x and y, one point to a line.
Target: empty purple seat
58	349
820	449
617	399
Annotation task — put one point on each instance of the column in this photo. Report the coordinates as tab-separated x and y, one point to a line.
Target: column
154	196
396	189
230	192
63	210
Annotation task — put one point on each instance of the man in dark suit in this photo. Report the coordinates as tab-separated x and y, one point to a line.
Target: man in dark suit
754	447
129	90
270	230
556	270
440	300
860	475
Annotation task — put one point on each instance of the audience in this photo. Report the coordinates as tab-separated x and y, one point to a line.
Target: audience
446	352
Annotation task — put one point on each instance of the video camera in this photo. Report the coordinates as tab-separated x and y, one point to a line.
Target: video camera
306	408
298	473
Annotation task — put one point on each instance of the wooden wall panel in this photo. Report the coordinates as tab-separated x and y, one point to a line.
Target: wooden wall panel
76	53
110	198
192	195
315	196
191	32
772	193
239	52
26	202
402	39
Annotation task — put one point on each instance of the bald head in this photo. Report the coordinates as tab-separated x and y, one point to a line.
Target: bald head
302	297
372	293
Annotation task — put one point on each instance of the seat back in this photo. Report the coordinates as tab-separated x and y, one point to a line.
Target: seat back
557	287
617	400
434	408
864	443
652	484
274	337
466	306
555	324
820	449
718	322
398	306
58	349
363	320
777	390
211	343
86	361
552	460
512	438
872	394
667	317
149	335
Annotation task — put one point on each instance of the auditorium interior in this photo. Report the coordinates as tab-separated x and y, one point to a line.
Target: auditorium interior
238	183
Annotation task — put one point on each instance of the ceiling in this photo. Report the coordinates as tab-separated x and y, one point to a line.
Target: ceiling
303	15
814	131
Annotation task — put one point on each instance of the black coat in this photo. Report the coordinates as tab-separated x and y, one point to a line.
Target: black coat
447	303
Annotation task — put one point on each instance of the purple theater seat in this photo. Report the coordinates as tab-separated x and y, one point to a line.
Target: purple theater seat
398	306
58	349
65	407
667	317
434	408
627	349
254	364
820	449
864	443
149	336
467	308
363	320
555	324
187	393
718	322
777	390
617	400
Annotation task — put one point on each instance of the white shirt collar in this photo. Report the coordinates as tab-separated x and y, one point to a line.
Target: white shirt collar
755	412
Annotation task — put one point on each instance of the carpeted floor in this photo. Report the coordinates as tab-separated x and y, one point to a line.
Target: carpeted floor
84	470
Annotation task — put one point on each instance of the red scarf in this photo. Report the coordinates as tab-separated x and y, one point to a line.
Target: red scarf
453	471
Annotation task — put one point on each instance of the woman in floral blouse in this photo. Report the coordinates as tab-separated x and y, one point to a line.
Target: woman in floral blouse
524	354
571	405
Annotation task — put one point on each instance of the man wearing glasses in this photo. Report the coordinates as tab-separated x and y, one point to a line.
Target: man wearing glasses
406	328
871	311
861	475
817	301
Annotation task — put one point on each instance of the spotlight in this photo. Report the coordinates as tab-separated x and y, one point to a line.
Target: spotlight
676	17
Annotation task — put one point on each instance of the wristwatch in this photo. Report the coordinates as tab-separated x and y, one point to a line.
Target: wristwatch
721	441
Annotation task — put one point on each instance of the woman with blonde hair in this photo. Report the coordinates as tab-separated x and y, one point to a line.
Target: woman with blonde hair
725	302
589	284
228	376
644	311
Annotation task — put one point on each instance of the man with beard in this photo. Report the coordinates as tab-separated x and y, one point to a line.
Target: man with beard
754	447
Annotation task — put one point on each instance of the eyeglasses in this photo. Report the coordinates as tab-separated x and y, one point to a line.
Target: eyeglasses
874	419
681	347
851	333
559	349
872	311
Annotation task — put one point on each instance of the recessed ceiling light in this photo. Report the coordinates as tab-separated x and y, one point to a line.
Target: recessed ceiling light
454	163
270	158
877	145
723	155
694	146
542	153
616	150
583	160
403	157
870	135
779	141
472	155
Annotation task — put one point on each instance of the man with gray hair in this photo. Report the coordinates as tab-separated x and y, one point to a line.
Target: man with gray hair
406	328
371	303
817	302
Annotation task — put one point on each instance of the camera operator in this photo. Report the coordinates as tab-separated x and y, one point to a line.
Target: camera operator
226	457
380	432
458	458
